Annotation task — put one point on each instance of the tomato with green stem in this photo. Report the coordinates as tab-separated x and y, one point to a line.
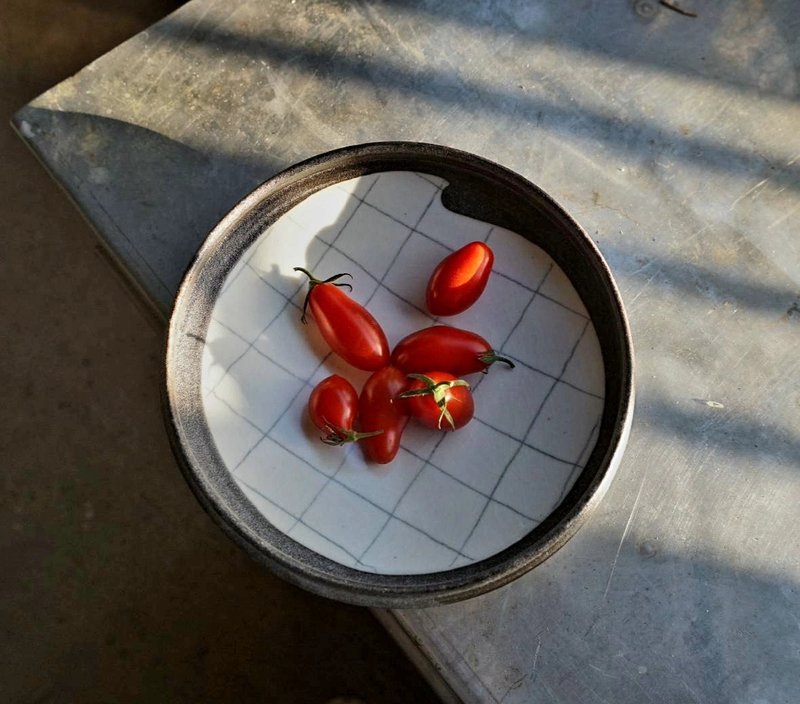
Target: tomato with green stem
381	410
440	400
349	329
442	347
332	407
459	279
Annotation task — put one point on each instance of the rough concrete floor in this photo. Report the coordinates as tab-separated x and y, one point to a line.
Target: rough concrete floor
114	585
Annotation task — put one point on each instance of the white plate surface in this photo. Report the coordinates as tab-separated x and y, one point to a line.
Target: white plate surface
448	499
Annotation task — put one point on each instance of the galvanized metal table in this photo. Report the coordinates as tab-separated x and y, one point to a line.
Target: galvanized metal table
675	140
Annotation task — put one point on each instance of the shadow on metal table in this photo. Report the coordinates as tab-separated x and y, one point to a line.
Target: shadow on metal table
674	141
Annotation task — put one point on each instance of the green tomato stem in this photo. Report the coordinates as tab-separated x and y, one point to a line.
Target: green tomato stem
339	436
314	281
490	357
446	414
439	392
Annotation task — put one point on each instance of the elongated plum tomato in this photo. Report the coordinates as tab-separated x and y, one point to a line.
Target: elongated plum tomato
459	279
440	400
441	347
346	325
381	409
333	406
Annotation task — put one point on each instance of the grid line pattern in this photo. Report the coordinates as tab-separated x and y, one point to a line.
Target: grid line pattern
288	302
501	274
448	542
530	427
517	362
298	519
390	515
425	458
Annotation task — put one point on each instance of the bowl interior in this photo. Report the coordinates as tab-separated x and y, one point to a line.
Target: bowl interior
449	499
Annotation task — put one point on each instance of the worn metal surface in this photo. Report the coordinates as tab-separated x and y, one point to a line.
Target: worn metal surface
674	141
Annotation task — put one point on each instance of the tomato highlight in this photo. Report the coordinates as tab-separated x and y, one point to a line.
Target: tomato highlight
383	413
459	279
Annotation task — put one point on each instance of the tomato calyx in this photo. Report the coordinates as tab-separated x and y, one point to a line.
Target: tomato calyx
439	392
314	281
339	436
490	357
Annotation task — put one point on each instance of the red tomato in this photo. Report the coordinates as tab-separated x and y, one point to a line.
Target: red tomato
332	406
381	409
440	400
441	347
346	325
459	279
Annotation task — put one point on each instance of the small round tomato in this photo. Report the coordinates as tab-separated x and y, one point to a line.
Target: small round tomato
382	411
346	325
440	400
459	279
442	347
332	406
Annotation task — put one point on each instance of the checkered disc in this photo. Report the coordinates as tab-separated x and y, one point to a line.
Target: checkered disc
448	499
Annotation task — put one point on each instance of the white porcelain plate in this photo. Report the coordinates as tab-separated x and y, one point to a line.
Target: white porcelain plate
448	499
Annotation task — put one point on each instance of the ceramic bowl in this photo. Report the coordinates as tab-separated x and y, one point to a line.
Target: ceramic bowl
457	513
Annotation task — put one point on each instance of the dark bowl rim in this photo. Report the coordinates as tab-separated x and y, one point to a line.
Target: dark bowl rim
224	501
